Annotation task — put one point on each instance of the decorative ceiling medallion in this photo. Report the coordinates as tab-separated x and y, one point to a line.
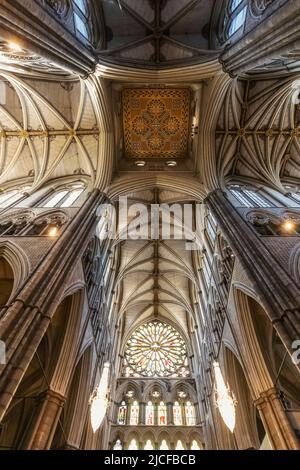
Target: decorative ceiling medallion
156	122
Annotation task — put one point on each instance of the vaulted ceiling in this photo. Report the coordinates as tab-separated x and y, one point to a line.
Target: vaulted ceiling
157	278
157	33
48	129
258	131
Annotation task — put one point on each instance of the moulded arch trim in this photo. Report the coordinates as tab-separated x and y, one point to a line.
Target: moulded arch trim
166	434
227	346
50	212
258	370
232	347
126	385
148	434
132	435
158	384
70	344
181	436
18	261
74	288
238	286
125	185
294	263
183	385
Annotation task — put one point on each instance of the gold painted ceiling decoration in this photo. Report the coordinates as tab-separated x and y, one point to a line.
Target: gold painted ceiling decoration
156	122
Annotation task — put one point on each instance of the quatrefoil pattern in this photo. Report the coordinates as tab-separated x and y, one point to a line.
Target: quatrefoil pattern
156	122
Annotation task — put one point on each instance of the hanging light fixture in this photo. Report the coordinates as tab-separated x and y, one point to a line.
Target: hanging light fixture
99	400
225	400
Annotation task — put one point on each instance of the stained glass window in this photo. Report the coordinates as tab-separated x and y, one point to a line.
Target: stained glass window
134	414
195	445
249	197
189	414
149	414
63	198
133	445
164	445
238	21
156	349
122	413
80	12
179	445
118	445
162	414
148	445
177	414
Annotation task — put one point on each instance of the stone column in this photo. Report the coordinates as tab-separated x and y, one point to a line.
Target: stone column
276	423
170	417
25	321
142	413
279	293
51	404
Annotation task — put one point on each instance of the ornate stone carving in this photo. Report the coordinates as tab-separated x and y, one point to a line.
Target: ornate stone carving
58	219
60	7
18	218
258	219
258	7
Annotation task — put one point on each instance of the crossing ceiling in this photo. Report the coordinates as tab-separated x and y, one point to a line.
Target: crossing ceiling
157	33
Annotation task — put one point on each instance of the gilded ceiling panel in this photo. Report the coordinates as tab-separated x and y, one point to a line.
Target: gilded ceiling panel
156	122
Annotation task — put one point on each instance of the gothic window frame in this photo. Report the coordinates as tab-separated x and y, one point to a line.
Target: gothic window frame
69	193
206	269
122	405
118	444
135	404
150	407
162	405
234	9
293	193
81	15
133	444
211	227
249	197
178	405
190	404
11	196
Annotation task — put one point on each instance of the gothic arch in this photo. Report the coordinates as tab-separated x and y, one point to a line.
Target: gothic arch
17	259
260	373
294	263
157	385
69	348
126	385
245	430
75	410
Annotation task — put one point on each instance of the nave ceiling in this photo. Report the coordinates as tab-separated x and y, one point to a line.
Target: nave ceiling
156	278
